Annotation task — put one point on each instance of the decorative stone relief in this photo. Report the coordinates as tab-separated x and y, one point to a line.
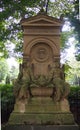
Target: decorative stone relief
40	89
41	52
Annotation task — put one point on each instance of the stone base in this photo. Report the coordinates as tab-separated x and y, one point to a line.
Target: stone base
42	119
41	127
42	105
42	111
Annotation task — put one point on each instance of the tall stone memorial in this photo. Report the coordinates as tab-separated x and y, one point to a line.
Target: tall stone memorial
40	89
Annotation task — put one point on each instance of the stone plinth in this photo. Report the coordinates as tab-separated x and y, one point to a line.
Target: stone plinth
41	127
42	110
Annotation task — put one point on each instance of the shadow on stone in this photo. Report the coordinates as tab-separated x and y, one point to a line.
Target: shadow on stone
41	127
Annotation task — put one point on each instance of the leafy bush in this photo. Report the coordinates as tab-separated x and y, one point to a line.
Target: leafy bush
74	92
74	96
74	100
7	101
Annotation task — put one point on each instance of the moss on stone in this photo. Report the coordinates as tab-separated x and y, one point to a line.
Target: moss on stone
54	118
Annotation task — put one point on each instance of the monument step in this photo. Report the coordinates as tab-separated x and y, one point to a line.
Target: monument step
42	118
41	127
43	105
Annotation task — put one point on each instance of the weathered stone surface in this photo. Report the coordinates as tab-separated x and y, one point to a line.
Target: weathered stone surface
41	127
40	89
35	118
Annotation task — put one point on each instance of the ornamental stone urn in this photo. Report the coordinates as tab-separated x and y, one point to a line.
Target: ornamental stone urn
40	89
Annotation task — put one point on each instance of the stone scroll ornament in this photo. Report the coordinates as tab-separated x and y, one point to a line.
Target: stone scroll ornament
55	80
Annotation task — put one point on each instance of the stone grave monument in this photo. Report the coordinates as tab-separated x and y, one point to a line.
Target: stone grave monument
40	89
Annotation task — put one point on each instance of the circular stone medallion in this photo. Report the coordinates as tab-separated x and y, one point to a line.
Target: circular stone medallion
41	52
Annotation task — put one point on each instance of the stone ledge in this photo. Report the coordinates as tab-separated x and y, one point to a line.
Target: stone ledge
42	119
41	127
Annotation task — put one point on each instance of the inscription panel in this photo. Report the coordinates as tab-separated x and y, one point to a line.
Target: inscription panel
41	31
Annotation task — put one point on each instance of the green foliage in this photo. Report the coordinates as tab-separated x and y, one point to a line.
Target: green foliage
13	73
70	10
11	12
77	51
3	69
65	37
72	70
8	79
6	92
74	92
74	19
7	101
7	74
74	100
57	8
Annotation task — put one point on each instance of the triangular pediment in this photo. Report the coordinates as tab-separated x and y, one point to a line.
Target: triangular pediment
41	20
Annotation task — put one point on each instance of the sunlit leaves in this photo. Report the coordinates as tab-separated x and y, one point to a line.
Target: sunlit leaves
11	13
3	69
65	38
61	7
